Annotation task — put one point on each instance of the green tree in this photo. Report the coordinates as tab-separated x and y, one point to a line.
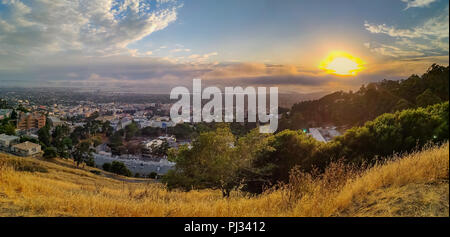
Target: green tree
61	141
120	168
115	143
83	154
79	133
107	129
402	104
106	166
14	115
131	131
182	131
399	132
8	129
210	163
277	156
44	136
427	98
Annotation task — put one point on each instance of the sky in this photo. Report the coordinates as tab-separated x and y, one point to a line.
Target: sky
154	45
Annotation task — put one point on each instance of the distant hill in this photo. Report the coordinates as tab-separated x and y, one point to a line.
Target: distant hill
355	108
287	100
412	185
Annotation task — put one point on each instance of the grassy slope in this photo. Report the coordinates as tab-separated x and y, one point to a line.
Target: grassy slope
414	185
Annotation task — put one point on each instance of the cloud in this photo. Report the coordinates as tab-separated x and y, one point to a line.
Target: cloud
436	27
427	39
418	3
201	58
102	27
180	50
392	51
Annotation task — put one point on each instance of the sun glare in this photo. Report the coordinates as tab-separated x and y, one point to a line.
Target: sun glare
342	64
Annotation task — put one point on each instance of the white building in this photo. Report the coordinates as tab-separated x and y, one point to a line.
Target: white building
6	141
55	121
315	133
324	134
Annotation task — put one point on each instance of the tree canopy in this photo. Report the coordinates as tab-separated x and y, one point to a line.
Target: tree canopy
370	101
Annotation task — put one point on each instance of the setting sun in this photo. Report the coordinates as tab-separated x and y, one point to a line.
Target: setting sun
342	64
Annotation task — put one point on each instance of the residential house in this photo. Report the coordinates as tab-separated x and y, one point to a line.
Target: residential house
26	149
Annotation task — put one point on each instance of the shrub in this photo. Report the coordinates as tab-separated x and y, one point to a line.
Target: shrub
120	168
106	166
153	175
50	152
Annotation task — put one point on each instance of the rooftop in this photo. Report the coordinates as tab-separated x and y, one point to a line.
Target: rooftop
8	137
26	146
54	119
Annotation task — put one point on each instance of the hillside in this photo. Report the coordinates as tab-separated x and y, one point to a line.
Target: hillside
370	101
412	185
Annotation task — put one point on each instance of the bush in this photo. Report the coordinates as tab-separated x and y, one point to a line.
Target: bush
153	175
50	152
120	168
106	166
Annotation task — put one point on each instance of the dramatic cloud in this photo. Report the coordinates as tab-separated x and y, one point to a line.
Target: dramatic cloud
428	39
418	3
101	27
436	27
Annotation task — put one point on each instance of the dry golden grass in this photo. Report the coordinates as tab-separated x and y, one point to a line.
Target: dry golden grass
414	185
348	196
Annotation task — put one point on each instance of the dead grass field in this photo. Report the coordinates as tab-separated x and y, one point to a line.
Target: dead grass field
412	185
